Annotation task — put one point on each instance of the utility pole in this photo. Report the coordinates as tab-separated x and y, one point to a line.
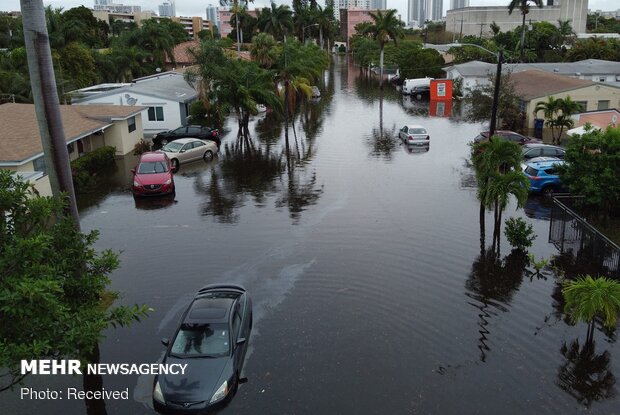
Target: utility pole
498	76
46	103
481	25
461	34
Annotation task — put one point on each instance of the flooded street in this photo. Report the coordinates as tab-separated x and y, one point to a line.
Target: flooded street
363	260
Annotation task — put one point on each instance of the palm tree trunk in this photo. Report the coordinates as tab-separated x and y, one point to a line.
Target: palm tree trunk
482	227
522	36
286	119
381	67
321	36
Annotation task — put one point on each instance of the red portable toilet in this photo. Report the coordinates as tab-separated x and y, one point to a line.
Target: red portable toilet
441	89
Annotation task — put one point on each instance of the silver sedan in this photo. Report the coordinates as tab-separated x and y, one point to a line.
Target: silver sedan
185	150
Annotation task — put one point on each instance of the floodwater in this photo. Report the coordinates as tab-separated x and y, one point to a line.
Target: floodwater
363	258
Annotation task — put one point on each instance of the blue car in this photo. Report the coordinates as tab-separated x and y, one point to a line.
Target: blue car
543	176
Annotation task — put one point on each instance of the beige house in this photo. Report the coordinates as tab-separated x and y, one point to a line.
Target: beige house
87	127
535	85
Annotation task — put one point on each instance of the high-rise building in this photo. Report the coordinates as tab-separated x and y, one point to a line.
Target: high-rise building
350	4
436	10
167	9
420	11
213	16
457	4
111	7
378	5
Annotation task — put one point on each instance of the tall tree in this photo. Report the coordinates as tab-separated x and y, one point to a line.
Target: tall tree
557	113
524	7
277	21
385	27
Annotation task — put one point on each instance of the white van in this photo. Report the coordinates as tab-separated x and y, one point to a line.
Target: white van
409	84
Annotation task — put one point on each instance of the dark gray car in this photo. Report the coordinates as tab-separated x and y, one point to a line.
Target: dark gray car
531	151
212	340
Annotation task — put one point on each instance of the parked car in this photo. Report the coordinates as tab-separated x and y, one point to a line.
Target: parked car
185	150
153	175
414	135
543	176
507	135
187	131
533	150
212	340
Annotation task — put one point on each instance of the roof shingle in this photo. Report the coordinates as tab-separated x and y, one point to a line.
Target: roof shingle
537	83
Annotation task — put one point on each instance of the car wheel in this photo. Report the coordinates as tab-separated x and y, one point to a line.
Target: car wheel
208	156
175	164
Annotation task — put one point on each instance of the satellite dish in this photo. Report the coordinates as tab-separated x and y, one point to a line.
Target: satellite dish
614	119
157	69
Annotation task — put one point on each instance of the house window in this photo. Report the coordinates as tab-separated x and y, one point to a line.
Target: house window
603	105
156	113
39	165
583	105
601	79
131	123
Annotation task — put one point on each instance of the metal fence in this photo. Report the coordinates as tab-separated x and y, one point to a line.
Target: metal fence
572	234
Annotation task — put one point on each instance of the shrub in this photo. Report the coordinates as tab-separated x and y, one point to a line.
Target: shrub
520	234
141	146
85	168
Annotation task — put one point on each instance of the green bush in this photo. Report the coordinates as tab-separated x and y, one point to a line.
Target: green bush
520	234
85	168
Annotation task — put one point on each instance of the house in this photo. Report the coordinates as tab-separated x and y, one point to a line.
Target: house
476	73
182	56
534	86
598	119
86	128
351	17
167	97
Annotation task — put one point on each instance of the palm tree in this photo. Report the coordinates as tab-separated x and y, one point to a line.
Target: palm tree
587	298
235	8
263	50
492	160
383	28
324	17
557	114
277	20
524	7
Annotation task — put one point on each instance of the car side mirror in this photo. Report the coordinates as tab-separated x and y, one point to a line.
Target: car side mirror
133	171
165	341
173	169
240	340
182	151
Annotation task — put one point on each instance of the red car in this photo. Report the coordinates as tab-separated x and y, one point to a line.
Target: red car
508	136
153	175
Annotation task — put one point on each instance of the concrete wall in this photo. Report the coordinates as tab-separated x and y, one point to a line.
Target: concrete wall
118	136
476	18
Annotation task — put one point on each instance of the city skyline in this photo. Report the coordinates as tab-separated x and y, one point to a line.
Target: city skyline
192	8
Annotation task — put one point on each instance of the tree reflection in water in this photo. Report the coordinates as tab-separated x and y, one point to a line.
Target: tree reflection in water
585	375
492	284
94	383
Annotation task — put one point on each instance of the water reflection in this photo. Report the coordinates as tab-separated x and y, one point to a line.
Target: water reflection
156	202
491	284
586	375
416	149
537	207
94	383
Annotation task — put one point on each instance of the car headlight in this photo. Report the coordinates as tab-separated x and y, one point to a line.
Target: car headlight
168	181
136	183
220	393
157	395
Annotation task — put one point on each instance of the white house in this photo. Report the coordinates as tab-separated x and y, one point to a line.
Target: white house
167	96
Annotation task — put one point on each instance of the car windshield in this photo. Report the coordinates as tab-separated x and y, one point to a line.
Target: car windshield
201	340
152	167
172	147
417	131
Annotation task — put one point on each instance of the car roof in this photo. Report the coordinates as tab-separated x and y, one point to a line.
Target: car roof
185	140
210	308
416	126
534	145
544	164
152	156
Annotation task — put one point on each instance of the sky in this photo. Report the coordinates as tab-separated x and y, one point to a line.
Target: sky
197	8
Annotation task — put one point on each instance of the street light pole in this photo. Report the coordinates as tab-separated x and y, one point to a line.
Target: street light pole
303	32
498	75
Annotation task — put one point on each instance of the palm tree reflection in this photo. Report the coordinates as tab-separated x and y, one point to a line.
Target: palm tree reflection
585	375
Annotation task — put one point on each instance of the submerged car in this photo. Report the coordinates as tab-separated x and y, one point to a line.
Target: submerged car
543	176
414	135
187	131
508	136
185	150
153	175
212	340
